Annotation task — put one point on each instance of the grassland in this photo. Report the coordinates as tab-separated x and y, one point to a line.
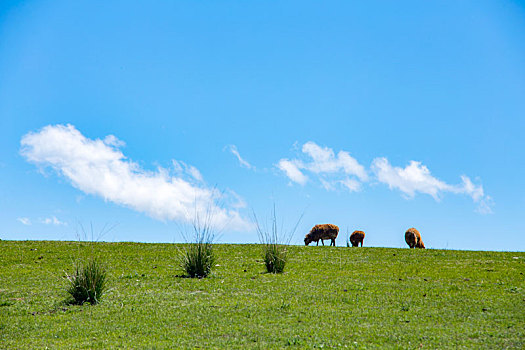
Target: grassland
328	297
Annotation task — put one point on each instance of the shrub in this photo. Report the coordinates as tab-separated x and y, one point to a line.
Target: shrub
88	282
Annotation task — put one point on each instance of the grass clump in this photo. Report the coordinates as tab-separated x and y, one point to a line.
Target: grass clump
275	257
198	257
274	242
88	282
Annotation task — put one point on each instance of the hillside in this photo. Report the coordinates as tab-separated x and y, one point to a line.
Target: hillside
327	297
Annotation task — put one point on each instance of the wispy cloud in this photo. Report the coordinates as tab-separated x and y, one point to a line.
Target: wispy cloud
325	161
416	178
485	205
98	167
242	161
331	170
341	170
292	169
180	168
24	221
53	221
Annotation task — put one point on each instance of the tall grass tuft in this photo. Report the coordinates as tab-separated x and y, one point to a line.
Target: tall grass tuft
88	282
198	258
275	257
274	242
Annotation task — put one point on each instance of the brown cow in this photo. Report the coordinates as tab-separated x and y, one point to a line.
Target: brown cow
322	232
357	237
413	238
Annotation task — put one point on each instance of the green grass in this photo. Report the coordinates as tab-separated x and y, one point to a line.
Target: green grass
331	297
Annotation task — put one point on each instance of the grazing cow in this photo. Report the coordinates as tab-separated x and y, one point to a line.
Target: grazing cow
357	237
413	238
322	232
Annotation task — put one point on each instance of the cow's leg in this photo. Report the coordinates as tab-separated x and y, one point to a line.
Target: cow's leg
322	241
317	242
361	243
333	242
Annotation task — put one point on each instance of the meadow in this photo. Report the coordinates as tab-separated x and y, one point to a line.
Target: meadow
327	297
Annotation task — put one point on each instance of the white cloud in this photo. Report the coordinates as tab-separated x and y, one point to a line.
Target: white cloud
292	169
334	171
351	184
242	161
330	169
24	221
413	178
99	168
195	173
179	167
467	187
325	161
416	177
112	140
485	205
53	221
235	201
327	185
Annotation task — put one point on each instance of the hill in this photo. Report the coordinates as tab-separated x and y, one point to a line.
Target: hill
328	297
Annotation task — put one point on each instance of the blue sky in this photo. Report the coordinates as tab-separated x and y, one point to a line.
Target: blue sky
377	116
